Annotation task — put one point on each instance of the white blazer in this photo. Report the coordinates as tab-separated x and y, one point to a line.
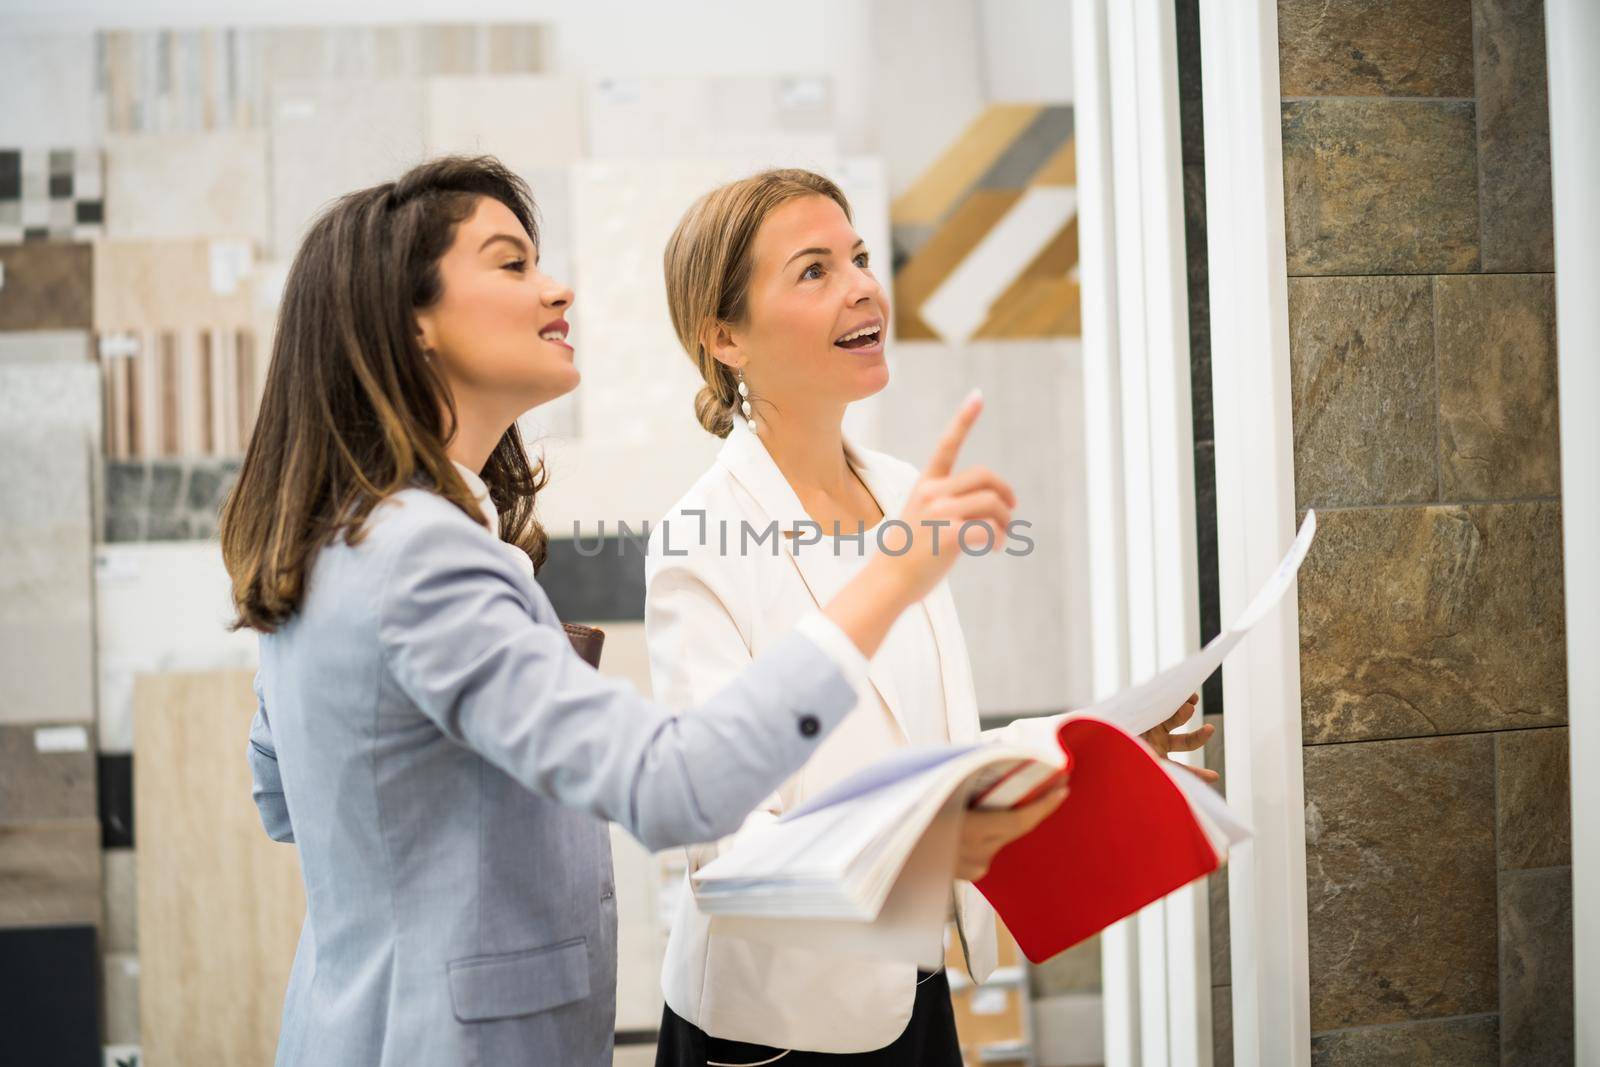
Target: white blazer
709	611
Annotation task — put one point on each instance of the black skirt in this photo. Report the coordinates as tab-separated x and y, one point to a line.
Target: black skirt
929	1040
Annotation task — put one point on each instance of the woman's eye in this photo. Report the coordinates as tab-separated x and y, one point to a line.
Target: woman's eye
862	260
812	272
518	265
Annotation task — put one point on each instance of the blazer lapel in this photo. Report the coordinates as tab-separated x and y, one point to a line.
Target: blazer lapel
748	460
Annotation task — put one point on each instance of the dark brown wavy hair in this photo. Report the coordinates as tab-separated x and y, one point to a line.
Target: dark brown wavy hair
353	410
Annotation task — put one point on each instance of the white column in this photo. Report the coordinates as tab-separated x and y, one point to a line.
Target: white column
1572	29
1255	523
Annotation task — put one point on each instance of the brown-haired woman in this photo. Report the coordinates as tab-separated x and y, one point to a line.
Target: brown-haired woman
773	296
425	733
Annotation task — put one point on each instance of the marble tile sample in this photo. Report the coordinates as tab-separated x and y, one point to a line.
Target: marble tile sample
53	72
183	284
1025	616
761	121
1396	48
1498	423
46	772
191	584
49	438
50	873
1536	994
1533	802
1380	187
177	185
332	137
46	285
530	122
1411	624
1376	813
45	346
1363	390
1514	136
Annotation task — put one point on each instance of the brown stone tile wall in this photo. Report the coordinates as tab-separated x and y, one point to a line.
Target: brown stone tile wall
1433	673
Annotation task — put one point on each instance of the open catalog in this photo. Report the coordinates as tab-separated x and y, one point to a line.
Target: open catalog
865	867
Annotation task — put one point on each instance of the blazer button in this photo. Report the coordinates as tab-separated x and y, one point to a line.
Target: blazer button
809	726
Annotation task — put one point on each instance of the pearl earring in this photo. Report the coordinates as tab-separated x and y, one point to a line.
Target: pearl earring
744	403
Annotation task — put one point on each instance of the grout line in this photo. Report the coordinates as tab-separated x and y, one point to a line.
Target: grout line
1428	737
1405	1022
1383	99
1424	274
1438	395
1499	502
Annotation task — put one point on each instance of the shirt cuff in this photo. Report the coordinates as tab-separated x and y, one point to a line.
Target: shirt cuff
826	635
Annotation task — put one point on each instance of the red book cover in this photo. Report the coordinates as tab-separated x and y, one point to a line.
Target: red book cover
1124	837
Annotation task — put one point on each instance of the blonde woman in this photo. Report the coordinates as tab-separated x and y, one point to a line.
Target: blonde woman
773	296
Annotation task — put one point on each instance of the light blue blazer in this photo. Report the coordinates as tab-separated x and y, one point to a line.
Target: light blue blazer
444	762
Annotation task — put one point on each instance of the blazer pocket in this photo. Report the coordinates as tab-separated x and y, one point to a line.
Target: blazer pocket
519	983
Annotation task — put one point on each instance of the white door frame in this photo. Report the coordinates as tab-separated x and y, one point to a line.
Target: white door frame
1139	448
1255	524
1572	31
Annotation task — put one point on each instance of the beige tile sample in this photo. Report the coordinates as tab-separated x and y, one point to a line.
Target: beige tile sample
211	987
177	185
172	285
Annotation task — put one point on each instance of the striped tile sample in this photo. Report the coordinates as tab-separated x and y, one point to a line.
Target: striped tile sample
49	441
51	194
189	81
46	285
986	241
185	392
177	185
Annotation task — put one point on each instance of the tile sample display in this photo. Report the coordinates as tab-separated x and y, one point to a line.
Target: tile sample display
210	987
180	393
49	440
46	772
50	873
529	122
173	285
46	346
1375	815
1514	136
204	185
49	983
1408	624
51	194
1380	187
762	121
986	240
1364	390
1498	433
46	285
119	931
331	137
166	500
194	80
52	71
191	586
1025	616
